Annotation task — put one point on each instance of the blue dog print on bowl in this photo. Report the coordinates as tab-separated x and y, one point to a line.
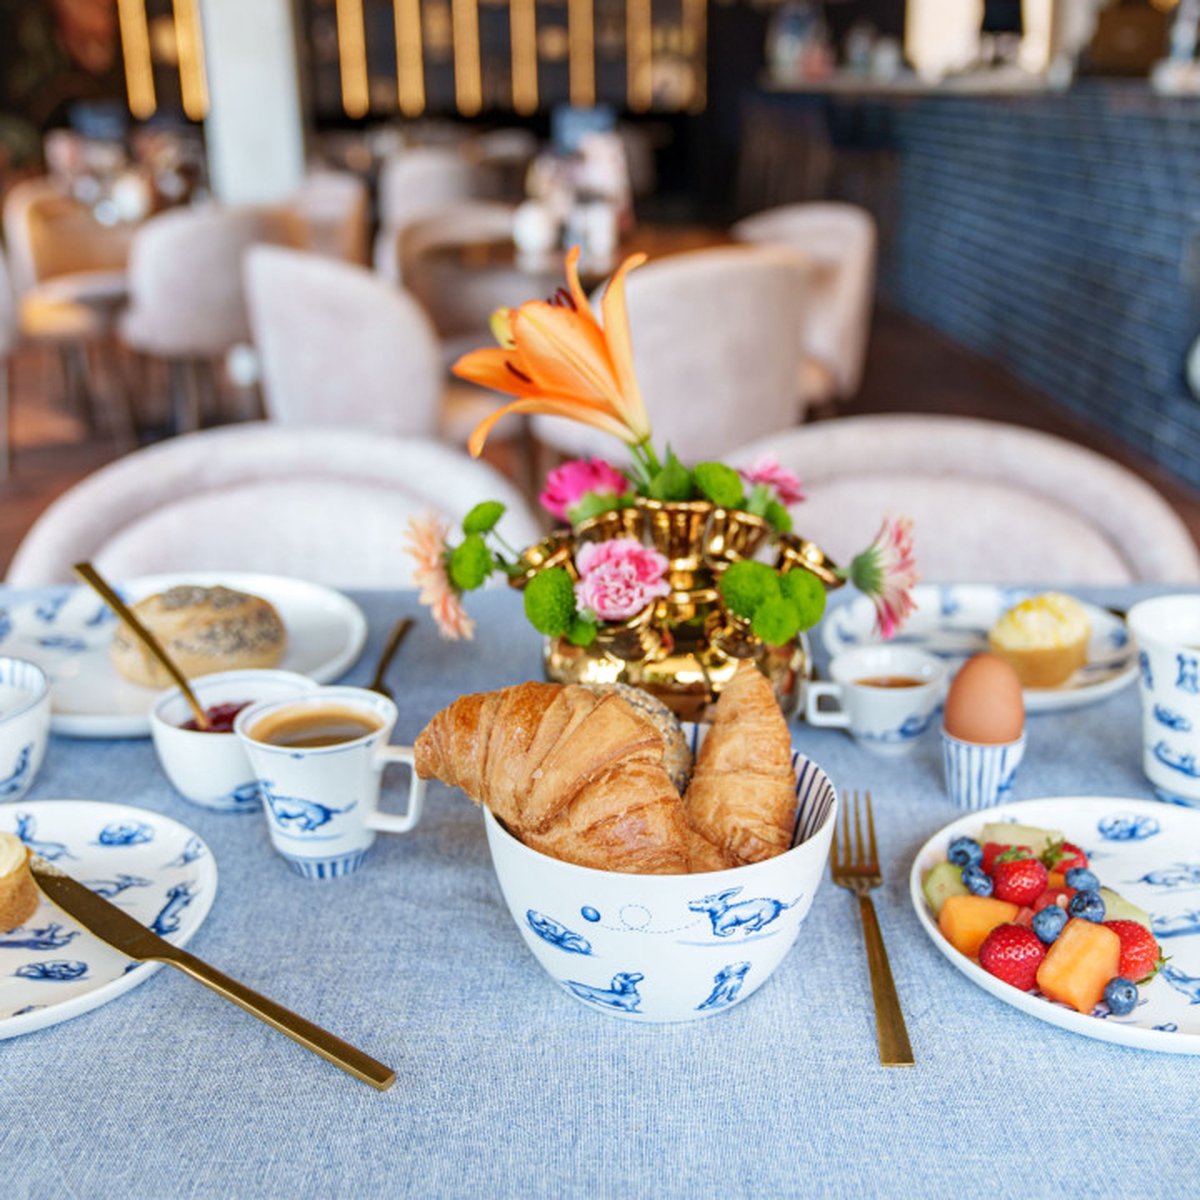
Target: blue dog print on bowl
747	915
622	993
727	983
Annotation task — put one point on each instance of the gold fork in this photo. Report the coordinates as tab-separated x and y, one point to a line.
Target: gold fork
857	869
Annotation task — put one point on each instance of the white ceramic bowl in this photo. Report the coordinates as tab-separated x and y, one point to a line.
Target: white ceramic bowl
667	947
24	725
211	769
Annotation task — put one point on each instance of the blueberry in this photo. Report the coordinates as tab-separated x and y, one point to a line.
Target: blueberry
1082	880
1087	904
965	852
1048	922
975	881
1121	996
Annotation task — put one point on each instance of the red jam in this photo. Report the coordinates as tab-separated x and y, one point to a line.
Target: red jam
220	717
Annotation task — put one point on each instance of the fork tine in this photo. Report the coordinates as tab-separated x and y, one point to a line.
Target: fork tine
871	832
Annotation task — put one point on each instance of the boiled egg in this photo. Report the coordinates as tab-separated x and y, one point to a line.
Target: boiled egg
984	704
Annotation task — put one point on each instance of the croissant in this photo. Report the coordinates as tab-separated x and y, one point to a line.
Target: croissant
742	796
573	774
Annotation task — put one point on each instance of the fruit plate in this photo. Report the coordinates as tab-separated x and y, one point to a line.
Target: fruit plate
156	869
67	633
1147	851
952	621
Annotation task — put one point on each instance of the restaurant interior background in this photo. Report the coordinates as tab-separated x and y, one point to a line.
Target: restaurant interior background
1031	169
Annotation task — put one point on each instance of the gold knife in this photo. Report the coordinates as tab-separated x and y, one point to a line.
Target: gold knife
110	924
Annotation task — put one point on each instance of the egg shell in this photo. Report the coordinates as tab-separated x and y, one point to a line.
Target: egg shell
984	704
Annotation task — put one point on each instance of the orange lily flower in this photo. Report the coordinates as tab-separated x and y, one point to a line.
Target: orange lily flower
557	359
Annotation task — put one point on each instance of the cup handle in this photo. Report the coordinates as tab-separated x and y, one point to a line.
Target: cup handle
392	822
838	718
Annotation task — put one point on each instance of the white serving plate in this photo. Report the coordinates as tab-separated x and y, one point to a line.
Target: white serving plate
157	870
68	636
952	621
1147	851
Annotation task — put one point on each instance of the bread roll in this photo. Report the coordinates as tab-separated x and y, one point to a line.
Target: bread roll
204	629
18	893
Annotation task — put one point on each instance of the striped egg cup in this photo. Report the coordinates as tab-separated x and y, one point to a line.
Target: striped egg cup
977	775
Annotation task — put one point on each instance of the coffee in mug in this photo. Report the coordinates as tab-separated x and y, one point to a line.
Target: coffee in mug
889	681
303	726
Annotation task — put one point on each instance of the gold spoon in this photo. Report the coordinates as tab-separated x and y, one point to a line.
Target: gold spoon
92	577
398	634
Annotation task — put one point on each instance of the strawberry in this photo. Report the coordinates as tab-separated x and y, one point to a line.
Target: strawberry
993	850
1018	880
1054	895
1013	953
1140	955
1062	856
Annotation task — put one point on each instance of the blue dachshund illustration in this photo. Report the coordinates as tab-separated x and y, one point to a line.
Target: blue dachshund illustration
192	850
549	930
126	833
47	611
1180	925
727	983
1171	719
298	815
1179	875
108	888
27	832
1189	985
1185	764
246	796
15	781
1144	667
57	970
747	915
178	898
1188	679
622	993
49	937
1128	829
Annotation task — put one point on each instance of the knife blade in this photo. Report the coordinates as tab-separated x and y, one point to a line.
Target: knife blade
129	936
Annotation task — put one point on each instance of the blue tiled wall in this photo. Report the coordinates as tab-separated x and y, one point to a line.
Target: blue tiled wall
1053	234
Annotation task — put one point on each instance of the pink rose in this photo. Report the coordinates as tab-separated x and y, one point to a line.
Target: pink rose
767	470
618	578
568	484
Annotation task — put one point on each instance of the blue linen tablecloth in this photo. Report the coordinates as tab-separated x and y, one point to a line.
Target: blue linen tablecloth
508	1086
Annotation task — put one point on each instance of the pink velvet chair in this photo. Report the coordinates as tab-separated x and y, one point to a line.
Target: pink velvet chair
324	504
990	502
839	241
339	346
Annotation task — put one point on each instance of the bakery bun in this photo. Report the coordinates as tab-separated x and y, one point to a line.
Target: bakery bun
18	893
204	629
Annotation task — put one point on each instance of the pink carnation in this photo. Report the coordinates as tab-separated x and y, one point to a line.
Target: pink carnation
568	484
618	578
767	470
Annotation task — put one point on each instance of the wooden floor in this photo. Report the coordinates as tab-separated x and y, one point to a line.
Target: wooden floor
910	368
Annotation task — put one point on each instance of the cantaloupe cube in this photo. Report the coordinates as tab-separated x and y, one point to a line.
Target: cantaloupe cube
1056	879
1078	965
966	920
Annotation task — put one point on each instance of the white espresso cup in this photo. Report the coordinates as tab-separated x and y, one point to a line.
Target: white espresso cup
1167	632
319	760
885	696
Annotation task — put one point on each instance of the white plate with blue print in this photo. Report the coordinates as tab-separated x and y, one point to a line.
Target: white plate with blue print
1146	851
952	621
67	633
157	870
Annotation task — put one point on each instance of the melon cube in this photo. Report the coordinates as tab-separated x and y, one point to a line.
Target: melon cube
965	921
1079	963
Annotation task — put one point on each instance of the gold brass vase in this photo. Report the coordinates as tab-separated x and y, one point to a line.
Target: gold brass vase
686	646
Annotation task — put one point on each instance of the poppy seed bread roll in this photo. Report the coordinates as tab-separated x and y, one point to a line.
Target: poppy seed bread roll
204	629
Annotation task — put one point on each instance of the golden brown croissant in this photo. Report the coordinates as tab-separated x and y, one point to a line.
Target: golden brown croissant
743	791
576	775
